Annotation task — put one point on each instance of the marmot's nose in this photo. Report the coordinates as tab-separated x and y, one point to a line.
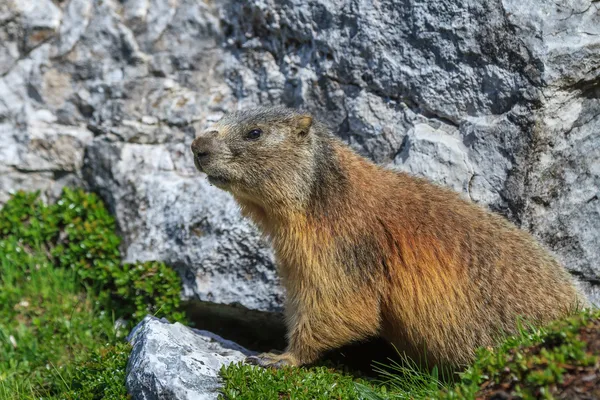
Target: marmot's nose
204	145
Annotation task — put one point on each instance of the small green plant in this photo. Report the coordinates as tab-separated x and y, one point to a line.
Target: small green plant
100	376
536	362
78	233
149	288
62	287
247	382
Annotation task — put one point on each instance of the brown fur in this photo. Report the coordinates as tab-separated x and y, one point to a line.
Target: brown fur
365	251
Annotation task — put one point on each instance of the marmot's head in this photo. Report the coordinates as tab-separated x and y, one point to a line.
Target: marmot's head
263	154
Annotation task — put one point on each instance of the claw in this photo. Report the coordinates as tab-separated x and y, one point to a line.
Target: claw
252	360
268	360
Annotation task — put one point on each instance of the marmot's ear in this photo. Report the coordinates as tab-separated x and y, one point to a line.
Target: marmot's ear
303	124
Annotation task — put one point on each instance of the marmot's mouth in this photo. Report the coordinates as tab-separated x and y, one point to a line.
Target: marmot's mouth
218	180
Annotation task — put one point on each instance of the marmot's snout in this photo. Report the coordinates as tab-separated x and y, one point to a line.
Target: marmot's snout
204	147
209	155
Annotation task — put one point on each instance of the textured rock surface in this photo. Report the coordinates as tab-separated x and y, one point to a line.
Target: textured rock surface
170	214
171	361
499	99
111	98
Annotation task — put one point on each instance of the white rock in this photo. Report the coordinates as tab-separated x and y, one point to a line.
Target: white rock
438	156
75	22
40	18
172	361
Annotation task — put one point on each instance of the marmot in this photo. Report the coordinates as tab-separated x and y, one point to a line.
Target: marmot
365	251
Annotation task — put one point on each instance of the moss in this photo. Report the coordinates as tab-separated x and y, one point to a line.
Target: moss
246	382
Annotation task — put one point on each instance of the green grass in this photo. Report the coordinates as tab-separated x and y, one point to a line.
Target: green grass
398	380
538	363
318	383
62	288
245	382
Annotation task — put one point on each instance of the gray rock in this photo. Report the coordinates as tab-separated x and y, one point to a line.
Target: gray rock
10	33
564	189
170	212
172	361
435	154
40	20
38	150
592	291
75	22
497	99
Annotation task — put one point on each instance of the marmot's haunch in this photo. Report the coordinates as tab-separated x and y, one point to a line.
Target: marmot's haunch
365	251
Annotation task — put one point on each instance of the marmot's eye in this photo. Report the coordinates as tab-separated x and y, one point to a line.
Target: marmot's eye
254	134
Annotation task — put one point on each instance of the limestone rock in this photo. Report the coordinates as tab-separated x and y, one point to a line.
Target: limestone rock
170	212
437	155
172	361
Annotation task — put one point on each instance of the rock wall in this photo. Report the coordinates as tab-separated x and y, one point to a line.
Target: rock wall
499	99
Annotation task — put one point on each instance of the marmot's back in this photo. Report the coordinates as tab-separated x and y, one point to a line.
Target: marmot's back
470	274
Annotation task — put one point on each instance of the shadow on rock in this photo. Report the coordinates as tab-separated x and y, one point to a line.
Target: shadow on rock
265	331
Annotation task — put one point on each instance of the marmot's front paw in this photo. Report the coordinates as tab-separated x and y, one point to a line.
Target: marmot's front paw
271	360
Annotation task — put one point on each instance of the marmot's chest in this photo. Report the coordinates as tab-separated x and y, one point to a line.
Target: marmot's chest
318	256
